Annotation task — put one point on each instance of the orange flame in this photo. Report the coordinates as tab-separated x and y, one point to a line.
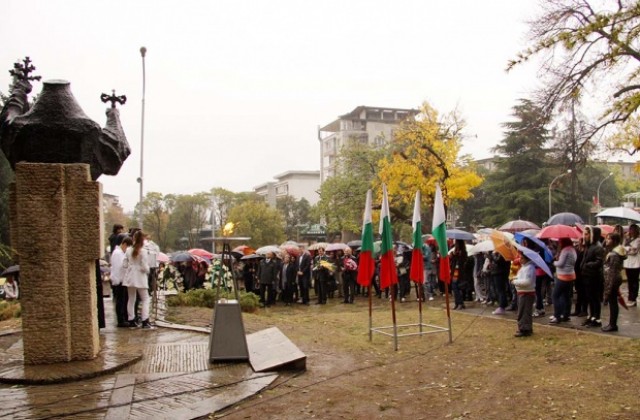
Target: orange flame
228	229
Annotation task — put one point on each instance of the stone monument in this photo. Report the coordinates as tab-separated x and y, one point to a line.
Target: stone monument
57	154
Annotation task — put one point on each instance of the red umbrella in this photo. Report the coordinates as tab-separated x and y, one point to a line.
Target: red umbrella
559	231
621	301
606	229
518	226
244	250
293	250
199	252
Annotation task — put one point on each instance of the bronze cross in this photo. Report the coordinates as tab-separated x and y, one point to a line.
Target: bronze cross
21	71
113	98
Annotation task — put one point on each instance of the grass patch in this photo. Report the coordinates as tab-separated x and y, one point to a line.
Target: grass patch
206	298
10	309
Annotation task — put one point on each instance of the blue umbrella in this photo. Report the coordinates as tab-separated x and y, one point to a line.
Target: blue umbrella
548	256
535	258
460	234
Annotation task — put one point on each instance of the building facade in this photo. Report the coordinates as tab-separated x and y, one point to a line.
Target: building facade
297	184
371	125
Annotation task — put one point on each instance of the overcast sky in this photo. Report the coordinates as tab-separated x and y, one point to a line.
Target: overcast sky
236	89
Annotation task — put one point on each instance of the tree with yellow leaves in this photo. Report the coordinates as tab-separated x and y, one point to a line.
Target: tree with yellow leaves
426	151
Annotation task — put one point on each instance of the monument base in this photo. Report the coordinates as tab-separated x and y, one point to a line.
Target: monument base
228	342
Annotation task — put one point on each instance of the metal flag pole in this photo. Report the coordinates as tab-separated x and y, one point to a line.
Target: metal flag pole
446	294
420	299
143	53
370	314
393	312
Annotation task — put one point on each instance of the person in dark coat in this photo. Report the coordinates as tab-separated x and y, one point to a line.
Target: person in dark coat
592	274
324	275
349	276
248	275
500	268
613	266
288	273
268	278
461	273
304	274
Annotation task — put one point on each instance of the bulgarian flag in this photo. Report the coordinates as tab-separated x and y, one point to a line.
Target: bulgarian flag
440	234
388	273
416	273
366	266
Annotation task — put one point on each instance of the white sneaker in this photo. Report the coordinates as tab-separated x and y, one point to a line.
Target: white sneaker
430	297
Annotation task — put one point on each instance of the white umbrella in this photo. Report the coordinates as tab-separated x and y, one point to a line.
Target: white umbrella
338	246
484	246
620	213
269	248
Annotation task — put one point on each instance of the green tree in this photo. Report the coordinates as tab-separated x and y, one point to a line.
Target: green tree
294	212
257	220
6	178
342	197
189	217
517	188
158	213
223	201
585	42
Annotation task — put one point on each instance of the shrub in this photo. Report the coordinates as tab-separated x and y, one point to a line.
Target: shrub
207	298
10	309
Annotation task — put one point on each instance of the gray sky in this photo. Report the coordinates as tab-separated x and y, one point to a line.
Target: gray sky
236	89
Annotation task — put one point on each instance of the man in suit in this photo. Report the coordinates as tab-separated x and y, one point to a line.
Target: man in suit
268	278
304	274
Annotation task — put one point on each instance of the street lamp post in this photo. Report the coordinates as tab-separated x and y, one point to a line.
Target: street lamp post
551	185
143	52
598	191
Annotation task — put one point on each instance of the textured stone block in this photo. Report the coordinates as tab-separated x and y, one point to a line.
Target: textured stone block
57	221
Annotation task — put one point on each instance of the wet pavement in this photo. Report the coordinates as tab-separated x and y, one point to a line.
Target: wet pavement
161	373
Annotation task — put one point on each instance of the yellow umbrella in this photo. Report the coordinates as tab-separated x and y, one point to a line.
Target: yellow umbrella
503	245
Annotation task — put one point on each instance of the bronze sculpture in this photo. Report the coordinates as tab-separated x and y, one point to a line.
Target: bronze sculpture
56	129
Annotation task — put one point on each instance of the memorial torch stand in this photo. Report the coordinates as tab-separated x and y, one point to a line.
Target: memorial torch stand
228	341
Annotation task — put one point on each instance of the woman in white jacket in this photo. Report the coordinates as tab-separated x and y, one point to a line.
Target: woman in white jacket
137	269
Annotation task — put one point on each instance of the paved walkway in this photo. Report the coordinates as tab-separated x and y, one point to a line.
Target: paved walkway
165	374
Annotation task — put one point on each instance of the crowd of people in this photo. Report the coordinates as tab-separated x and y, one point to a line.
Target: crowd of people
586	274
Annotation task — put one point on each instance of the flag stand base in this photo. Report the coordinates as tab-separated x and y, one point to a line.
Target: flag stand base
434	329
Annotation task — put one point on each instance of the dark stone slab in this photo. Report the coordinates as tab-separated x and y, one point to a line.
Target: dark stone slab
271	350
228	341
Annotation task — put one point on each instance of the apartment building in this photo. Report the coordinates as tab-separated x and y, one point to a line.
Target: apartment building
371	125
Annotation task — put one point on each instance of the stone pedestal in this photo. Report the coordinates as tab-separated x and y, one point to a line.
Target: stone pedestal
56	230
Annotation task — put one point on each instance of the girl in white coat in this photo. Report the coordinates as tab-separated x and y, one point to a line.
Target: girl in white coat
137	269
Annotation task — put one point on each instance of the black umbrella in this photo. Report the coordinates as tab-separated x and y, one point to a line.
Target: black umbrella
251	257
569	219
181	257
14	269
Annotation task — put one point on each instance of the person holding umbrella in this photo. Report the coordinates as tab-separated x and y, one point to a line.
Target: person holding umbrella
563	287
525	284
613	278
